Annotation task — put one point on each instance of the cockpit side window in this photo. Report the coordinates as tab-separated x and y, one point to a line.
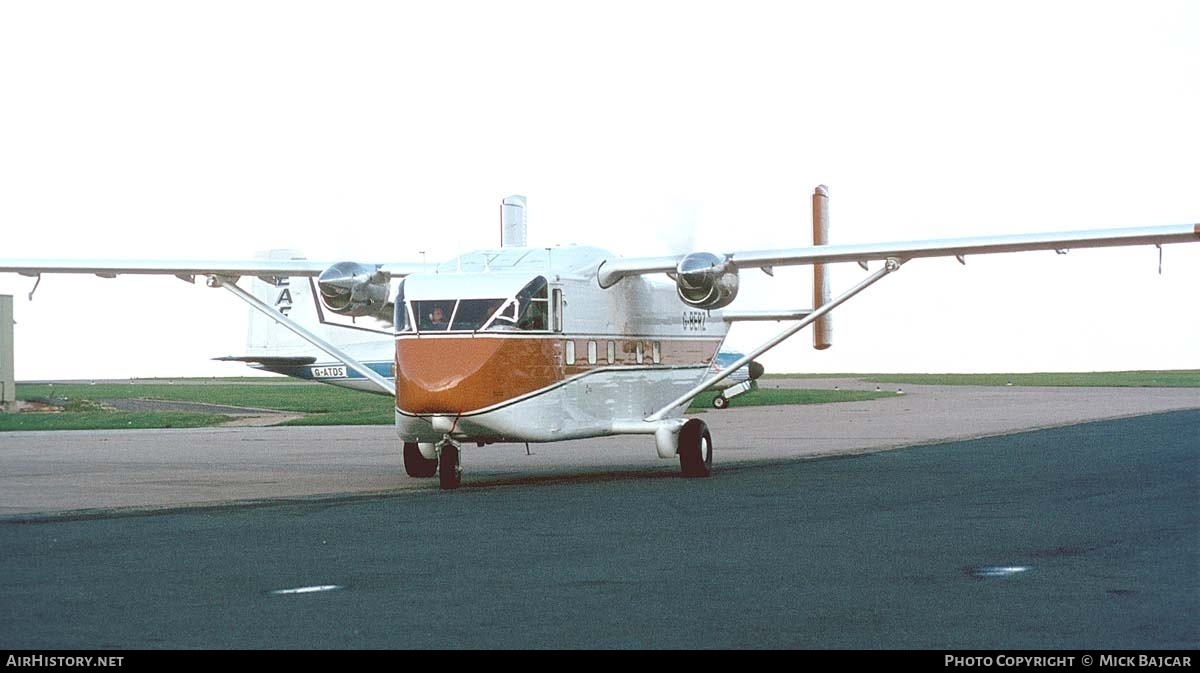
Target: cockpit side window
534	305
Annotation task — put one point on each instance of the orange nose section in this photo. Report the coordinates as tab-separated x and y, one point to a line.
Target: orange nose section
456	375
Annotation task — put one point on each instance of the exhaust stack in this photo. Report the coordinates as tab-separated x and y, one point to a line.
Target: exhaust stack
823	327
512	222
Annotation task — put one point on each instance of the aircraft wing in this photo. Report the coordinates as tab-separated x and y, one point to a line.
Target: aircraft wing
188	270
614	270
362	286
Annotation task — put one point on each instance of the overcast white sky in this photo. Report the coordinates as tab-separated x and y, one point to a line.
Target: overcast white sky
373	130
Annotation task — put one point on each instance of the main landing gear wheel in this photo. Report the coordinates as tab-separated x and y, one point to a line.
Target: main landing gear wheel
695	449
417	465
720	402
449	469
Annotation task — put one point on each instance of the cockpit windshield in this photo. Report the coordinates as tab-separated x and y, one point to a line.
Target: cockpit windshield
529	310
463	315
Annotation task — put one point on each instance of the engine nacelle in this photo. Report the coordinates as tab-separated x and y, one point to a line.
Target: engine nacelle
354	289
705	280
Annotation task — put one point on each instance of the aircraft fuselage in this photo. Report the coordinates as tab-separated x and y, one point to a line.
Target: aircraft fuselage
522	344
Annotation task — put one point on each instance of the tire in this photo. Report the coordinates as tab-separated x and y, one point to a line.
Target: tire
417	465
695	449
449	474
720	402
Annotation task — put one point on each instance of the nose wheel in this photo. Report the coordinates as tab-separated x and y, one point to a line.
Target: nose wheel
416	464
449	467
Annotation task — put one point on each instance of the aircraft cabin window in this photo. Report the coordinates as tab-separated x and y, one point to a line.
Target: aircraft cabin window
591	352
612	352
657	352
641	352
570	352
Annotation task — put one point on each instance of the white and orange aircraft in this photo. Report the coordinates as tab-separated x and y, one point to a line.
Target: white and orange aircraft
274	348
526	344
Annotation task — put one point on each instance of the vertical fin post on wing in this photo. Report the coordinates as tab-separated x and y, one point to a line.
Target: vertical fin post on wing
823	327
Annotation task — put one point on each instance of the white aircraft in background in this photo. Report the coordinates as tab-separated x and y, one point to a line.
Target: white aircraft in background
521	344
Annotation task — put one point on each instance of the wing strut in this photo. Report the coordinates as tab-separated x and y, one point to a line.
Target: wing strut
231	285
892	265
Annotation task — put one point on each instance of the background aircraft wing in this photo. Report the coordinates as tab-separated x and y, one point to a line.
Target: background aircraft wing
614	270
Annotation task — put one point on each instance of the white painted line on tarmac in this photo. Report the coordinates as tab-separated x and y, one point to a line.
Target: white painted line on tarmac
996	571
308	590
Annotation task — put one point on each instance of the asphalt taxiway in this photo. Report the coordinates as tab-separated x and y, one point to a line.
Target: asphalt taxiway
56	472
1075	536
